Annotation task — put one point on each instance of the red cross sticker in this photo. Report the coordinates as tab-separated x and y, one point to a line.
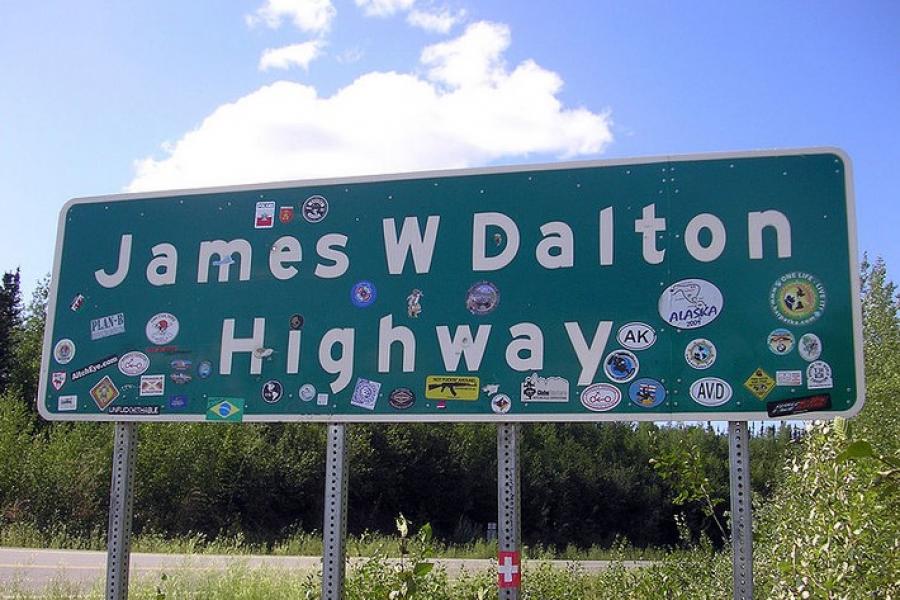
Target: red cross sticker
509	570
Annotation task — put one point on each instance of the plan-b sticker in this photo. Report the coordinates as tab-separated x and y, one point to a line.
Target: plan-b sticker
690	303
545	389
107	326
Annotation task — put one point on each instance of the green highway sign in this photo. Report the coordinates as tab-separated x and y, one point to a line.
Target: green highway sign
717	287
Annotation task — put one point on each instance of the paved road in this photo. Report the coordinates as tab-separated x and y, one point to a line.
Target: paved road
30	569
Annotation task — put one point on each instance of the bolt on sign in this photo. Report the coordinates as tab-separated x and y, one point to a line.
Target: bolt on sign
677	288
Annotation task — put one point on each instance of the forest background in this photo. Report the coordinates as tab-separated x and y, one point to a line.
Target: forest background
826	495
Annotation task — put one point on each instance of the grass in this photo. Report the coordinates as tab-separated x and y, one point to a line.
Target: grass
24	535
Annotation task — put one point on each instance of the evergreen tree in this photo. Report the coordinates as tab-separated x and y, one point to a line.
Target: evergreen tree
10	321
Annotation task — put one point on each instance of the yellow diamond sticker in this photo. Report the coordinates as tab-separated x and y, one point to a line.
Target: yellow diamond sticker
760	384
451	387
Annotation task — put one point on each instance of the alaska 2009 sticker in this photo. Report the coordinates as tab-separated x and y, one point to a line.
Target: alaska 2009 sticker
690	303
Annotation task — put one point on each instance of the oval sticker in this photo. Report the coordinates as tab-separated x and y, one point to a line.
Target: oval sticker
711	391
690	303
601	397
636	336
134	363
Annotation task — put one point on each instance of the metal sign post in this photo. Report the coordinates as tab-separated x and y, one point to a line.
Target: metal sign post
741	517
334	528
121	503
509	563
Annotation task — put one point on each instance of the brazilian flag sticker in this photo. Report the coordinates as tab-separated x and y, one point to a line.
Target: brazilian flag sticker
225	409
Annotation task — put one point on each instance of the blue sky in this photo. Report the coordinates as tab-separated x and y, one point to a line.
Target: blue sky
100	97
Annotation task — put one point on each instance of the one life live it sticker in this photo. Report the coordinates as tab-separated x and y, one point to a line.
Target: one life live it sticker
509	570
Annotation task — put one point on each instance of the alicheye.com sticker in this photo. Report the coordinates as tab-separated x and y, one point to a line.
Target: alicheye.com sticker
690	303
810	347
797	298
781	341
162	328
621	366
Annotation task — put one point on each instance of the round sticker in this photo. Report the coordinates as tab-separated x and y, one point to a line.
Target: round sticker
296	322
711	391
690	303
204	369
636	336
500	404
307	392
647	393
781	341
64	351
700	354
315	209
797	298
363	294
134	363
482	298
810	347
402	398
272	391
621	366
601	397
162	328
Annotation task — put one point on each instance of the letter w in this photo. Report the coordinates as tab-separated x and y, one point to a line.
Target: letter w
410	238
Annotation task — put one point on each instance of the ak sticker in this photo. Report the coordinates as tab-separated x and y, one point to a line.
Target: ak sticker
690	303
647	393
545	389
451	387
711	391
621	366
797	298
760	383
265	215
700	354
162	328
365	394
225	409
601	397
104	392
636	336
780	341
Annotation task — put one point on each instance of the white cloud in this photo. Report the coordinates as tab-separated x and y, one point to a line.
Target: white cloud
470	109
295	55
435	22
384	8
313	16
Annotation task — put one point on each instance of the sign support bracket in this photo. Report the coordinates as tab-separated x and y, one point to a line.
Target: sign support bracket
334	528
121	504
509	505
741	517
